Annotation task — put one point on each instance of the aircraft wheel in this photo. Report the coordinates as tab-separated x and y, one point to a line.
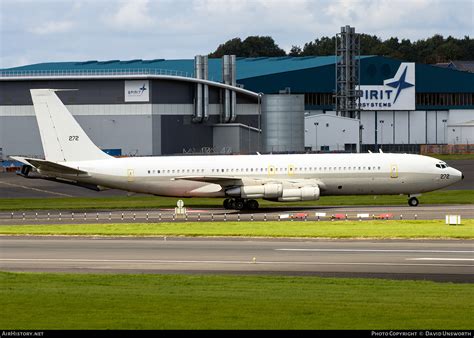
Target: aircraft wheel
227	203
239	204
252	205
413	202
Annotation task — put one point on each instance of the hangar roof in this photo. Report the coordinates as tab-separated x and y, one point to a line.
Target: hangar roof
246	67
271	74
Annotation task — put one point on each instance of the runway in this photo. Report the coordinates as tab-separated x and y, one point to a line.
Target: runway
395	259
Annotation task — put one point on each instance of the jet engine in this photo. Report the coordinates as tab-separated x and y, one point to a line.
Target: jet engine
300	194
269	191
275	192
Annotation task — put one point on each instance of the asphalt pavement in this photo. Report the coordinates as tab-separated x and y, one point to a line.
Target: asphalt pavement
442	260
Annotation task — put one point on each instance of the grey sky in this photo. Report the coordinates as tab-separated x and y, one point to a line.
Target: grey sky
34	31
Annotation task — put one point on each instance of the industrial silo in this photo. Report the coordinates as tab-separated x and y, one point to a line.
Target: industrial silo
283	123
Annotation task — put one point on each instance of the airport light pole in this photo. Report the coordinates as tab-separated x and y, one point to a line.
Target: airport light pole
259	120
381	132
444	131
316	124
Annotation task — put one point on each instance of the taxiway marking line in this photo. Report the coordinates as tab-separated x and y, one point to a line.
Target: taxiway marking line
76	260
35	189
439	259
379	250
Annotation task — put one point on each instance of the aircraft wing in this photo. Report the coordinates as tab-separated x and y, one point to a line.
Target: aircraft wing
50	167
224	181
234	181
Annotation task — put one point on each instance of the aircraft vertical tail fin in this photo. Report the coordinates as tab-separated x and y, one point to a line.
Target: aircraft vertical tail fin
62	137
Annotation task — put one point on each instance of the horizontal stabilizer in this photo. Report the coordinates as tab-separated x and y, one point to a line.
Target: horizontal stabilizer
49	166
20	159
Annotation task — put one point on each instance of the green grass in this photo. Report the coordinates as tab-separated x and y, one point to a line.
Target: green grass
83	301
150	202
338	229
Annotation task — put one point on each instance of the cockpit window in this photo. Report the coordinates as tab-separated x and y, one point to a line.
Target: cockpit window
441	165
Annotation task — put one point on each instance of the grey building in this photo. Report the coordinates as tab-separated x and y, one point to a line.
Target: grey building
239	105
135	114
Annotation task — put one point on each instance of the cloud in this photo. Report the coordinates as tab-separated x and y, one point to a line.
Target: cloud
52	27
131	15
119	29
414	19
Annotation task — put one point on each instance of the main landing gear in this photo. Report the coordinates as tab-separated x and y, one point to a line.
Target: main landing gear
413	202
240	204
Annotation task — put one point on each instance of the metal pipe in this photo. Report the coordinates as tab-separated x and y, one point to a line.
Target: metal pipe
198	90
233	82
205	76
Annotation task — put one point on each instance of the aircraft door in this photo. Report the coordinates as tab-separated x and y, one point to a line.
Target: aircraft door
291	169
130	175
394	171
271	170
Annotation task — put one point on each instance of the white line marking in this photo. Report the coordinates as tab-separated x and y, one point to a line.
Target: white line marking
439	259
378	250
146	261
35	189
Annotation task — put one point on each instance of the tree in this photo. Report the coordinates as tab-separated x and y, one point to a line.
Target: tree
231	47
295	51
320	47
252	46
431	50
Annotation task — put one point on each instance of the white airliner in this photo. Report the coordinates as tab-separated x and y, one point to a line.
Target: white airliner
71	157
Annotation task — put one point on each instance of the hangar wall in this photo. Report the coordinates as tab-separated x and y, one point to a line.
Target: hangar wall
163	125
444	99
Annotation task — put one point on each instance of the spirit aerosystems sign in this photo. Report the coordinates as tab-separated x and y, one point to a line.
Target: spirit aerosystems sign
397	93
137	91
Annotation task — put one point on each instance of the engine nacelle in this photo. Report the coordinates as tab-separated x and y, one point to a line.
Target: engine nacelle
300	194
270	191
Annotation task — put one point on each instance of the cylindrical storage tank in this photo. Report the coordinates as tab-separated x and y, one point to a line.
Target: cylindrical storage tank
283	123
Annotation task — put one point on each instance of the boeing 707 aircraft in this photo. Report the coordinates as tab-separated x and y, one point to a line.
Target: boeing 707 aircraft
71	157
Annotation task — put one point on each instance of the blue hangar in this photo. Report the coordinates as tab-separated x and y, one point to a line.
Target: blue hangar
241	105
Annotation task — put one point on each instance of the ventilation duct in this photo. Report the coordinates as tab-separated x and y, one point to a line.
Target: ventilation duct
201	101
229	77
